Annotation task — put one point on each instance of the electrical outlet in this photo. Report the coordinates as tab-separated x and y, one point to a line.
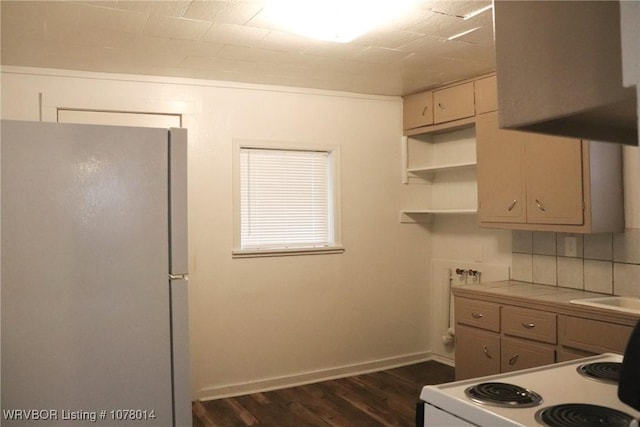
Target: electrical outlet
571	246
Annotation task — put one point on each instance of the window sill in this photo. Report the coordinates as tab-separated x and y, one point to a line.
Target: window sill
241	253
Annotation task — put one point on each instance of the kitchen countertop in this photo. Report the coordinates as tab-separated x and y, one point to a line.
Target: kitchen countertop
543	297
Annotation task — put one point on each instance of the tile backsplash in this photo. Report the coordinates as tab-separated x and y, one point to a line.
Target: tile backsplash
608	263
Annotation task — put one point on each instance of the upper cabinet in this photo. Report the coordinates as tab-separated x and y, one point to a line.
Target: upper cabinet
519	180
453	103
444	109
417	110
538	182
559	68
486	94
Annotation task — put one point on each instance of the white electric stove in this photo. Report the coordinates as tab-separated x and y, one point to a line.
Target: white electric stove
551	395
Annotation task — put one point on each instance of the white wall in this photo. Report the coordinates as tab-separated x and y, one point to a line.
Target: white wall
262	322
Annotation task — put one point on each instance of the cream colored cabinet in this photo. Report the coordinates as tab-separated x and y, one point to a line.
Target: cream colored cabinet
530	324
500	331
539	182
518	354
417	110
594	336
453	103
501	179
486	94
493	338
477	352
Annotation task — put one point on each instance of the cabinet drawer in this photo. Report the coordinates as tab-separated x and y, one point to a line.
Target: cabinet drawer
477	353
516	354
481	314
453	103
593	335
417	110
530	324
486	95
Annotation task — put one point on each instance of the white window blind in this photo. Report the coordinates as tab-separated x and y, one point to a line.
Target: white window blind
284	199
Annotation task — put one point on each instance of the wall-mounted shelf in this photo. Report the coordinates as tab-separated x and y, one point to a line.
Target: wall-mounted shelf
426	216
428	171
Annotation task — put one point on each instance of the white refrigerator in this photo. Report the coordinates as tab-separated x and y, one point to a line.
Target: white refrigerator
94	276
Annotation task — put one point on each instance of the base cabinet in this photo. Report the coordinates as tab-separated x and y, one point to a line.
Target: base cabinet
477	353
518	354
494	337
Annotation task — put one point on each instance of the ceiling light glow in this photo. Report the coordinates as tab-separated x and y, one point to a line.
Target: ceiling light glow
334	20
477	12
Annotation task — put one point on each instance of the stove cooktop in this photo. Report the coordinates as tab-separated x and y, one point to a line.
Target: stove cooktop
557	384
608	372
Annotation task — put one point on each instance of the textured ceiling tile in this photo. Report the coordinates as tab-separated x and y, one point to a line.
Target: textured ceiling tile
234	34
231	39
110	18
483	35
431	46
383	55
176	28
279	40
439	25
388	39
19	21
235	12
161	8
190	48
458	7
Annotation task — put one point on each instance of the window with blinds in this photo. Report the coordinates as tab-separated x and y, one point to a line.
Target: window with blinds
285	199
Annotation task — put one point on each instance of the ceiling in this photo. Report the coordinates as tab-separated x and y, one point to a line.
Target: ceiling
233	41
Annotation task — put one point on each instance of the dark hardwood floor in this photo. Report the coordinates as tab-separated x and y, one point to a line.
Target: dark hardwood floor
386	398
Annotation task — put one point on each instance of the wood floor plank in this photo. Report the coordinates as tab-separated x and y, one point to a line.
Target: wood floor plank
385	398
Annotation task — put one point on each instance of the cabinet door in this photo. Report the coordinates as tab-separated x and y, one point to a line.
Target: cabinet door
554	180
417	110
593	335
518	354
500	172
486	95
477	353
453	103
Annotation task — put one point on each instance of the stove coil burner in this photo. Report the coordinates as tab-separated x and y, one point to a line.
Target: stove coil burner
582	415
607	372
503	394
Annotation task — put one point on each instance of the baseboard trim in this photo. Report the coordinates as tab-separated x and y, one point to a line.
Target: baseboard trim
239	389
443	360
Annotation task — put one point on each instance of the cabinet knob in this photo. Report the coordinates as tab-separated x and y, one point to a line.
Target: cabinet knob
477	315
540	206
512	205
486	352
514	359
528	325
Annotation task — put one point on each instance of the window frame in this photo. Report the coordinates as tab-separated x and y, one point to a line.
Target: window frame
334	214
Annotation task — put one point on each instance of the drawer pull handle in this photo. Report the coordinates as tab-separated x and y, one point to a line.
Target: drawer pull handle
539	205
512	205
424	110
477	315
441	107
514	359
528	325
485	350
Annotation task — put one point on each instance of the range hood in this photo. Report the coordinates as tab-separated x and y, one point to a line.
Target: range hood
559	70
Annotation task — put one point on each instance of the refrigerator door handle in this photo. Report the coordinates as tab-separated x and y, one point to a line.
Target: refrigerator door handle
179	257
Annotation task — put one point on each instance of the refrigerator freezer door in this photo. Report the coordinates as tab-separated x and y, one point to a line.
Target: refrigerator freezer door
85	295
